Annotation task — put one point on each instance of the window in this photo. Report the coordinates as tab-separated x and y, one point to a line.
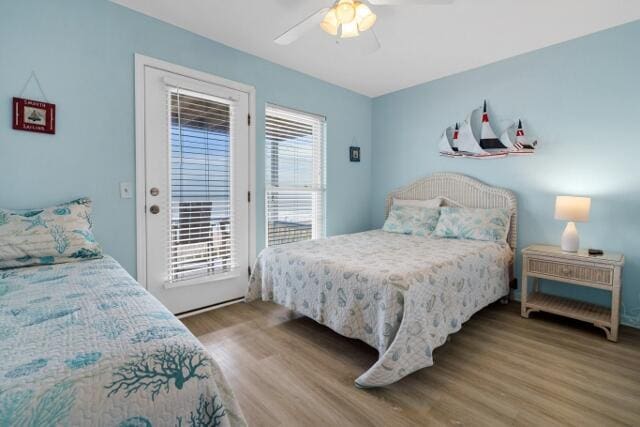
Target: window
200	230
295	175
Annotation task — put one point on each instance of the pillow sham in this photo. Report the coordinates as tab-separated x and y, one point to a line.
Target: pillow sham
53	235
411	220
473	224
431	203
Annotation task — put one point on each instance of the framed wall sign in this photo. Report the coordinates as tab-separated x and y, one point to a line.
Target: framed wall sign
34	116
354	154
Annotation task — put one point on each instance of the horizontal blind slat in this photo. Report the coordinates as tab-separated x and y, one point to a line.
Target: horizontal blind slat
295	176
201	217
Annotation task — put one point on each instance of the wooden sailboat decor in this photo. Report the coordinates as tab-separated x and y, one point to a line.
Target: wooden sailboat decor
460	141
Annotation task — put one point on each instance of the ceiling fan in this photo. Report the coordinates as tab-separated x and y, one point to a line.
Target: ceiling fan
346	19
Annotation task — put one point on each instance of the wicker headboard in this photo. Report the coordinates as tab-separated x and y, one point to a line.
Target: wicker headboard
461	191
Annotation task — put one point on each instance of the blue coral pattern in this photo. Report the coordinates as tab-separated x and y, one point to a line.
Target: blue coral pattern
474	224
97	349
47	236
412	220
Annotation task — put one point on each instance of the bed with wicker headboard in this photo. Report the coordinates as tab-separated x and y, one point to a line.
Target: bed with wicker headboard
459	190
401	294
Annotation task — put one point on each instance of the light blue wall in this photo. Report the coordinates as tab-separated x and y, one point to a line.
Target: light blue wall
83	52
581	99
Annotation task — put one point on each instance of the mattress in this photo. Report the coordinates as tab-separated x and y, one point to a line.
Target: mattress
401	294
84	344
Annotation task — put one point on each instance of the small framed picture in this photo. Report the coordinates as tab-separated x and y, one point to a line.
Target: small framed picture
34	116
354	154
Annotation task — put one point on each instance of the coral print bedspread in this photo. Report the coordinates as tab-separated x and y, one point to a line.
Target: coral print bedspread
84	344
401	294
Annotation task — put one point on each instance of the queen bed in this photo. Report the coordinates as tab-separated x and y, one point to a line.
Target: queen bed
401	294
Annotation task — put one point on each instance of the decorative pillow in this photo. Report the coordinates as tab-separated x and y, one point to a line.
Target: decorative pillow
431	203
47	236
411	220
474	224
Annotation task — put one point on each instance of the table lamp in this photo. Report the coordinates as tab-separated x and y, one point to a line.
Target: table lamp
572	208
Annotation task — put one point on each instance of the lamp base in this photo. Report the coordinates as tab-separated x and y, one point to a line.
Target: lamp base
570	241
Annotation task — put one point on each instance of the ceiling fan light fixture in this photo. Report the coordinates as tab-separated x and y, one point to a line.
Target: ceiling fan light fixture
345	11
364	16
330	22
349	30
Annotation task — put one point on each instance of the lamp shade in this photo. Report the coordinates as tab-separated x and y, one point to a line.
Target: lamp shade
330	22
572	208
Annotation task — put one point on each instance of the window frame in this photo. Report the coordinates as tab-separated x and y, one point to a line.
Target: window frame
319	169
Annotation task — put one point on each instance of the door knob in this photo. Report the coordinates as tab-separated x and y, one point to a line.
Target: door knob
154	209
154	191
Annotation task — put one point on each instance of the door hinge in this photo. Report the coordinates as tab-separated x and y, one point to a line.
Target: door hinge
248	119
249	269
249	196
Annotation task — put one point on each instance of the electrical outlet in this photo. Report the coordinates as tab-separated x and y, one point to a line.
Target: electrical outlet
125	190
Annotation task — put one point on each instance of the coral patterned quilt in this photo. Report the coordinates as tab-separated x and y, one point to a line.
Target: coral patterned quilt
84	344
401	294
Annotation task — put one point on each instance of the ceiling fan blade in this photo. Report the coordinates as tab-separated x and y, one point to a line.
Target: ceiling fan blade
404	2
298	30
372	43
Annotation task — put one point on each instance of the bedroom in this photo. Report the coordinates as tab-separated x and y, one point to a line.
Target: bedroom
567	69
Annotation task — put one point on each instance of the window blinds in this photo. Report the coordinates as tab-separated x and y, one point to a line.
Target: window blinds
295	175
201	238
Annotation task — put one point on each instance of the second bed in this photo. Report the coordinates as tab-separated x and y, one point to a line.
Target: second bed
401	294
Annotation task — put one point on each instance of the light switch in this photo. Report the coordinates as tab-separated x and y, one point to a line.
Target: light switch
125	190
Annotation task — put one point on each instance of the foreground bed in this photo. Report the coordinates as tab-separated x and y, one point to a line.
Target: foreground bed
84	344
401	294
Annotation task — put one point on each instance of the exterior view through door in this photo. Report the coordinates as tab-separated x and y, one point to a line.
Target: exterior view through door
196	215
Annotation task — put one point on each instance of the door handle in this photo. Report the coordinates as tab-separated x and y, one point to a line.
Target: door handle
154	209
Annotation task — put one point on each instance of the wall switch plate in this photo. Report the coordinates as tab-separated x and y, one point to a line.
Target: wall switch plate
125	190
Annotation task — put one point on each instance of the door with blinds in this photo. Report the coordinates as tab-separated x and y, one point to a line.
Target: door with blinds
197	183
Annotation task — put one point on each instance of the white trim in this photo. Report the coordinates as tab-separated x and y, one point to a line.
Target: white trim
202	280
142	61
295	111
206	309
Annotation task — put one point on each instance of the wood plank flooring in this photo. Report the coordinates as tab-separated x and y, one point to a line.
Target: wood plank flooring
499	370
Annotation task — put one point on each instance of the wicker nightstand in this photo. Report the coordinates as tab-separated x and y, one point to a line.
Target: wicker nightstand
581	269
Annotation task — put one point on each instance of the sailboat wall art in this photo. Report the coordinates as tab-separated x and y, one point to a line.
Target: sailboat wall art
461	141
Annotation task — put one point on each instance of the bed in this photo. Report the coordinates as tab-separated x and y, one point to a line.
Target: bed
401	294
83	344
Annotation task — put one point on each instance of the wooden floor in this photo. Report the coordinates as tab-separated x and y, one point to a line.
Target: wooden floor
500	369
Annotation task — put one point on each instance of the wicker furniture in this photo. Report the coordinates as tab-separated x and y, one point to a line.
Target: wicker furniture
577	268
459	190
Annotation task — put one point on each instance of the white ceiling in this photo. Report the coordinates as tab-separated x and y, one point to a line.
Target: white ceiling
419	43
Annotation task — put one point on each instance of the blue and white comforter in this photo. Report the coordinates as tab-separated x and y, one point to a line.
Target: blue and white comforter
84	344
401	294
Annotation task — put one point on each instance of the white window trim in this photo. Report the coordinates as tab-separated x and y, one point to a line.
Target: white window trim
141	62
323	190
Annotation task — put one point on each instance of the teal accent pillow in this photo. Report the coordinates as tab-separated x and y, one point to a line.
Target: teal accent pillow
47	236
411	220
473	224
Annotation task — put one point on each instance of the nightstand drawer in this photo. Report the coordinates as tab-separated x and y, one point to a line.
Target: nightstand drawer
582	273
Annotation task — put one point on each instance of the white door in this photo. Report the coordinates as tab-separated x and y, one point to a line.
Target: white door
197	183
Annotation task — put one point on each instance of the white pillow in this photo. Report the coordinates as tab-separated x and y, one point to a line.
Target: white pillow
47	236
431	203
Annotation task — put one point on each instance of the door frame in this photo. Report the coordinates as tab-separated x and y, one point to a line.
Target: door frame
142	61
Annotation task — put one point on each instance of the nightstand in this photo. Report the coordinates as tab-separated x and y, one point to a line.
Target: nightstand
576	268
